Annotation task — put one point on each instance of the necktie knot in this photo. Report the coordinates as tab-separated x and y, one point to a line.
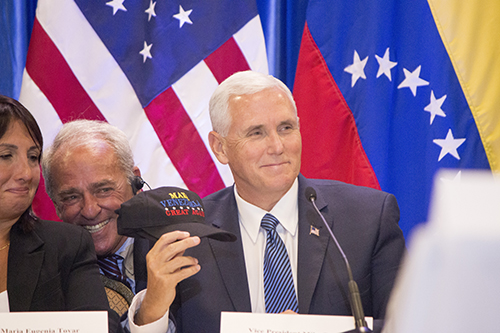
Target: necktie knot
109	267
269	222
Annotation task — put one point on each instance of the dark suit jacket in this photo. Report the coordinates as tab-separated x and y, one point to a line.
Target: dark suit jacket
141	248
54	268
365	222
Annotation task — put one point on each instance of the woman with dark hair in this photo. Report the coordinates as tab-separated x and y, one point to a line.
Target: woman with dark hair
44	265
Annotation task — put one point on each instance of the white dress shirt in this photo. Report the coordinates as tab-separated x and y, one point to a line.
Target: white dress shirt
253	238
126	251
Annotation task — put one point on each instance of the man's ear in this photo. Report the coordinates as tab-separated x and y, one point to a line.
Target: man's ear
136	171
217	144
137	182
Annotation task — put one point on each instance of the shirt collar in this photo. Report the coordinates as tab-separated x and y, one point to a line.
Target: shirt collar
126	252
126	248
285	210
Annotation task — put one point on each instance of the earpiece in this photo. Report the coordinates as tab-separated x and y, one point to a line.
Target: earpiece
137	184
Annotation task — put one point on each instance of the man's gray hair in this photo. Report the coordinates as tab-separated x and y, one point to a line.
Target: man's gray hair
240	83
89	133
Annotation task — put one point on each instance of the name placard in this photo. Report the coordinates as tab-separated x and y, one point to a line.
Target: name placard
54	322
245	322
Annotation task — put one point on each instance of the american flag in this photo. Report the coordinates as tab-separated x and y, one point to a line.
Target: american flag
388	92
147	67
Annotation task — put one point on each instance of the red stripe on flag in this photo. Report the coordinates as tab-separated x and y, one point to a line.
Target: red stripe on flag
52	74
42	205
331	147
183	144
226	60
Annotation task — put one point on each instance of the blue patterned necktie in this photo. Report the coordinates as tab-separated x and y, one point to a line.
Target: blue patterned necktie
109	267
279	290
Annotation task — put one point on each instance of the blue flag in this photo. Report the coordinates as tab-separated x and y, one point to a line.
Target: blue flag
397	108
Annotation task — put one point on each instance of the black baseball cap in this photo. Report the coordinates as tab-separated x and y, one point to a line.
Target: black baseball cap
152	213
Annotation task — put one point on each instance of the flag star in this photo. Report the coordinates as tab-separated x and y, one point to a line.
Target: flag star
412	80
435	107
151	10
385	65
357	69
183	16
117	5
449	145
146	52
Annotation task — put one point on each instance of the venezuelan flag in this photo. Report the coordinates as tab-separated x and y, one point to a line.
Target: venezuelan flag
390	91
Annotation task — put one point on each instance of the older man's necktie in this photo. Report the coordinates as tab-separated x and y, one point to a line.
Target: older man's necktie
279	290
110	268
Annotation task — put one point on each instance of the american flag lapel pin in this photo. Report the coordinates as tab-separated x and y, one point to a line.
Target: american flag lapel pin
314	231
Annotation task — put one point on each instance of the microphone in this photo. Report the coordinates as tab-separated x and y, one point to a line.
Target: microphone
354	297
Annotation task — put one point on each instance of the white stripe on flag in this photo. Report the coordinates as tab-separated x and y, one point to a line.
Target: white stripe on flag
39	106
251	41
194	90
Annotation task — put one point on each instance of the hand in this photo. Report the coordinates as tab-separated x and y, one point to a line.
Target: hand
289	312
166	266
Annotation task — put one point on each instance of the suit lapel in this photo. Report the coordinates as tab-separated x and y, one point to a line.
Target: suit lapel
312	248
25	262
141	248
230	257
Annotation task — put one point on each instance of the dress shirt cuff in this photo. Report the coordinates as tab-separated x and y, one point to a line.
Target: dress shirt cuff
159	326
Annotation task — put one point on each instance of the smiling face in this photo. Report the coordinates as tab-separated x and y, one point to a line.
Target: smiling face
89	187
263	146
19	171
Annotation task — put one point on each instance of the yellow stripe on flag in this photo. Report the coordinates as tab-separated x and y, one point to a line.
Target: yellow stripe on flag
471	33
